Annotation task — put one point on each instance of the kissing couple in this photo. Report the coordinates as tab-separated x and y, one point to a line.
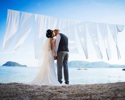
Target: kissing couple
53	49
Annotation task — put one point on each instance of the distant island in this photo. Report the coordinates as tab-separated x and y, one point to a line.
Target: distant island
98	64
11	63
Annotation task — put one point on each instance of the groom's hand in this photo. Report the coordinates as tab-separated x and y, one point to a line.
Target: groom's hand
55	57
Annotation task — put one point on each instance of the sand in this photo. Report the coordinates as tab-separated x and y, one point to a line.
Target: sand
19	91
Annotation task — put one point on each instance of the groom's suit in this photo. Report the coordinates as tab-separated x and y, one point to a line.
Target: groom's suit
62	57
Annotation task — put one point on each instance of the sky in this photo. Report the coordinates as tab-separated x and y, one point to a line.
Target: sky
105	11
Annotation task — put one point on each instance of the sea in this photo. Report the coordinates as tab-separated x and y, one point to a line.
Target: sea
76	75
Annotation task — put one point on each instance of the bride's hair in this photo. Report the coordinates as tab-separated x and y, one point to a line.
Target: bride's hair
49	33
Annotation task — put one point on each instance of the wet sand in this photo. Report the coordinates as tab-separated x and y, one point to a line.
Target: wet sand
19	91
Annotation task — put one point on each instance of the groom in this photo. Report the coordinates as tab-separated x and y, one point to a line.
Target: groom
61	54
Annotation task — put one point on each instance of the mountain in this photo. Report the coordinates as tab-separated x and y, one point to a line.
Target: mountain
99	64
11	63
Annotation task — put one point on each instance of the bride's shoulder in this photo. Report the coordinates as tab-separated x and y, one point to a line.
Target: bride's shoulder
50	40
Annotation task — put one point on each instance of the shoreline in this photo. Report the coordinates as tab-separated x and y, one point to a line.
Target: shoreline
19	91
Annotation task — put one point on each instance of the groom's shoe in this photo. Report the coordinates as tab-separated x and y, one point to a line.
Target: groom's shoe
60	82
67	83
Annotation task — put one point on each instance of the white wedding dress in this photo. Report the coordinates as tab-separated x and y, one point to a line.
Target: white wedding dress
46	74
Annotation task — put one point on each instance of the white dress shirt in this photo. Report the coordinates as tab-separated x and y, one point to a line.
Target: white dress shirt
58	38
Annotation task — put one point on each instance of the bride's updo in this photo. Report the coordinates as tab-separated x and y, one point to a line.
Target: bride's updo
49	33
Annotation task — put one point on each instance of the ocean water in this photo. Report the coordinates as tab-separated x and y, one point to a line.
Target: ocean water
76	76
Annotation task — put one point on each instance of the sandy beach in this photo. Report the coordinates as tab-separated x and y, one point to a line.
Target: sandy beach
19	91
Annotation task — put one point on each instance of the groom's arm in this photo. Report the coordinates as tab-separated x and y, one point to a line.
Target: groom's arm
58	37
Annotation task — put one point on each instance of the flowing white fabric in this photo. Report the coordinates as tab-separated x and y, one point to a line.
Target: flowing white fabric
92	29
114	33
39	30
11	28
70	33
52	23
120	28
46	75
21	24
62	23
40	25
78	43
104	32
83	38
26	24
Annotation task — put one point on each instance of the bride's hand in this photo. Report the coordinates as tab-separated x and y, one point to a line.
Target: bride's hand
55	57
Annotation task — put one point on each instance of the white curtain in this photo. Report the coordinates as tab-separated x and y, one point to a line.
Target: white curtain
40	25
120	28
26	24
92	29
62	23
104	32
21	24
82	37
78	43
13	18
113	30
70	33
52	23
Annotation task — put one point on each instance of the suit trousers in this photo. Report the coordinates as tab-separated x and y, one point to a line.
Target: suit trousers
62	63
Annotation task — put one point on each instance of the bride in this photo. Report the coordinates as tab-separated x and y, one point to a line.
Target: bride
47	74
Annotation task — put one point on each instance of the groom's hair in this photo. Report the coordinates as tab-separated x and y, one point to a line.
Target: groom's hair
57	30
49	33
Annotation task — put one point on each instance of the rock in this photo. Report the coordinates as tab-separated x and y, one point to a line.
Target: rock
81	69
10	63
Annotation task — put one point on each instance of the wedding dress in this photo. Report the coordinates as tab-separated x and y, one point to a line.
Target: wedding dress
46	74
